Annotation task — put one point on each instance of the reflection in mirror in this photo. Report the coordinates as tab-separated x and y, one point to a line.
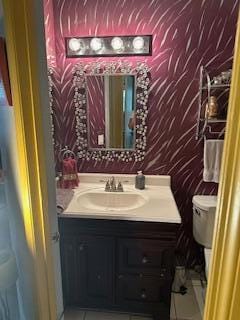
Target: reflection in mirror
111	111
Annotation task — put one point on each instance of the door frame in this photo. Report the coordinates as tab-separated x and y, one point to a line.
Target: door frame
222	301
24	29
224	281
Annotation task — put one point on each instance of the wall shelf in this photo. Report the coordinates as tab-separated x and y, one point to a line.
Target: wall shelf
213	120
206	86
217	120
217	86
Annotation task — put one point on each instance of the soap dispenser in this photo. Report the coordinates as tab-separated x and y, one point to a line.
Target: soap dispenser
140	181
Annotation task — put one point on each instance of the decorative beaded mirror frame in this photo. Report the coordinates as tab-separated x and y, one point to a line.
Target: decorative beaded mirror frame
141	71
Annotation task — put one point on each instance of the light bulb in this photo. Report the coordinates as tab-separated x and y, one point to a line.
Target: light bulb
117	43
138	43
74	44
96	44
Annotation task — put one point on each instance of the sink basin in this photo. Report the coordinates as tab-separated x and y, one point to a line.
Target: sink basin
110	201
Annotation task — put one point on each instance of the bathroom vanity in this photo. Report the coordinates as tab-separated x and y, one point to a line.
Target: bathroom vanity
120	258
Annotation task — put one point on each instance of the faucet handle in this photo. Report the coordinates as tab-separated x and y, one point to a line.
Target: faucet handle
107	186
120	187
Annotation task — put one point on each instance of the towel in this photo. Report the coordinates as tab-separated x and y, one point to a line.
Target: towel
212	160
64	196
69	178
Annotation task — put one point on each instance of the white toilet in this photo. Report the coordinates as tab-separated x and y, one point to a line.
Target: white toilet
204	208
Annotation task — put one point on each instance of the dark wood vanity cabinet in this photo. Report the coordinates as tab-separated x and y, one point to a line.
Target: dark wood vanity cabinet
87	270
118	265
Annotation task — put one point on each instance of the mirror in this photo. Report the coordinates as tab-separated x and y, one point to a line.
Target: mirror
111	111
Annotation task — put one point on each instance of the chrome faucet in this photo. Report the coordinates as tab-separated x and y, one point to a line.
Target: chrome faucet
111	186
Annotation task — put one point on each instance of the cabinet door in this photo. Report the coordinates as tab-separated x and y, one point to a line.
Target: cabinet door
95	270
69	270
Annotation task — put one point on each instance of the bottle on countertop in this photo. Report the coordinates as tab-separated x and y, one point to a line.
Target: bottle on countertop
140	181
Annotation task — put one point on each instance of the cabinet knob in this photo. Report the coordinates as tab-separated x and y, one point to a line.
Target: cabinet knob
143	295
120	276
144	260
81	247
99	277
162	273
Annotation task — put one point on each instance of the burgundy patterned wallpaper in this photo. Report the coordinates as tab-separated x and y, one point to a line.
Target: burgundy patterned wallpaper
186	35
50	32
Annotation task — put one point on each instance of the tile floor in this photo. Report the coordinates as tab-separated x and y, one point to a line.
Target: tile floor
183	307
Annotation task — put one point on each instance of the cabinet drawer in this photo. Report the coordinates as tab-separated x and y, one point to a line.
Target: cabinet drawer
140	290
145	255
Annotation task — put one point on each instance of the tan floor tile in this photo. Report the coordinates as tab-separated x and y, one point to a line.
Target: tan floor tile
93	315
140	318
74	314
173	309
186	305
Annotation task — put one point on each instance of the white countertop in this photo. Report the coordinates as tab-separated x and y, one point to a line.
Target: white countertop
160	205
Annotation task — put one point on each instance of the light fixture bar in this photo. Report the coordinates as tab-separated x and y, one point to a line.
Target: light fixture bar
138	45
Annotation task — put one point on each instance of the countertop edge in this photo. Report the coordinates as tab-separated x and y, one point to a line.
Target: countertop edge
116	217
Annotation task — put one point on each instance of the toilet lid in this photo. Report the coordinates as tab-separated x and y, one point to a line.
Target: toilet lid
205	202
207	254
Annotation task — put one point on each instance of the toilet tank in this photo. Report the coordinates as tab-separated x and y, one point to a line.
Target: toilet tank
204	208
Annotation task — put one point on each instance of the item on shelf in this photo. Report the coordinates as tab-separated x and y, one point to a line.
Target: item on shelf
224	78
212	108
217	80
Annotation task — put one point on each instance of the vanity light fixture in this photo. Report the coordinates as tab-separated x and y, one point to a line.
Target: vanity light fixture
137	45
96	44
74	44
117	44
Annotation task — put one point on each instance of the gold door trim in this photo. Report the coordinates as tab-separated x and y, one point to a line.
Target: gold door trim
21	36
223	294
